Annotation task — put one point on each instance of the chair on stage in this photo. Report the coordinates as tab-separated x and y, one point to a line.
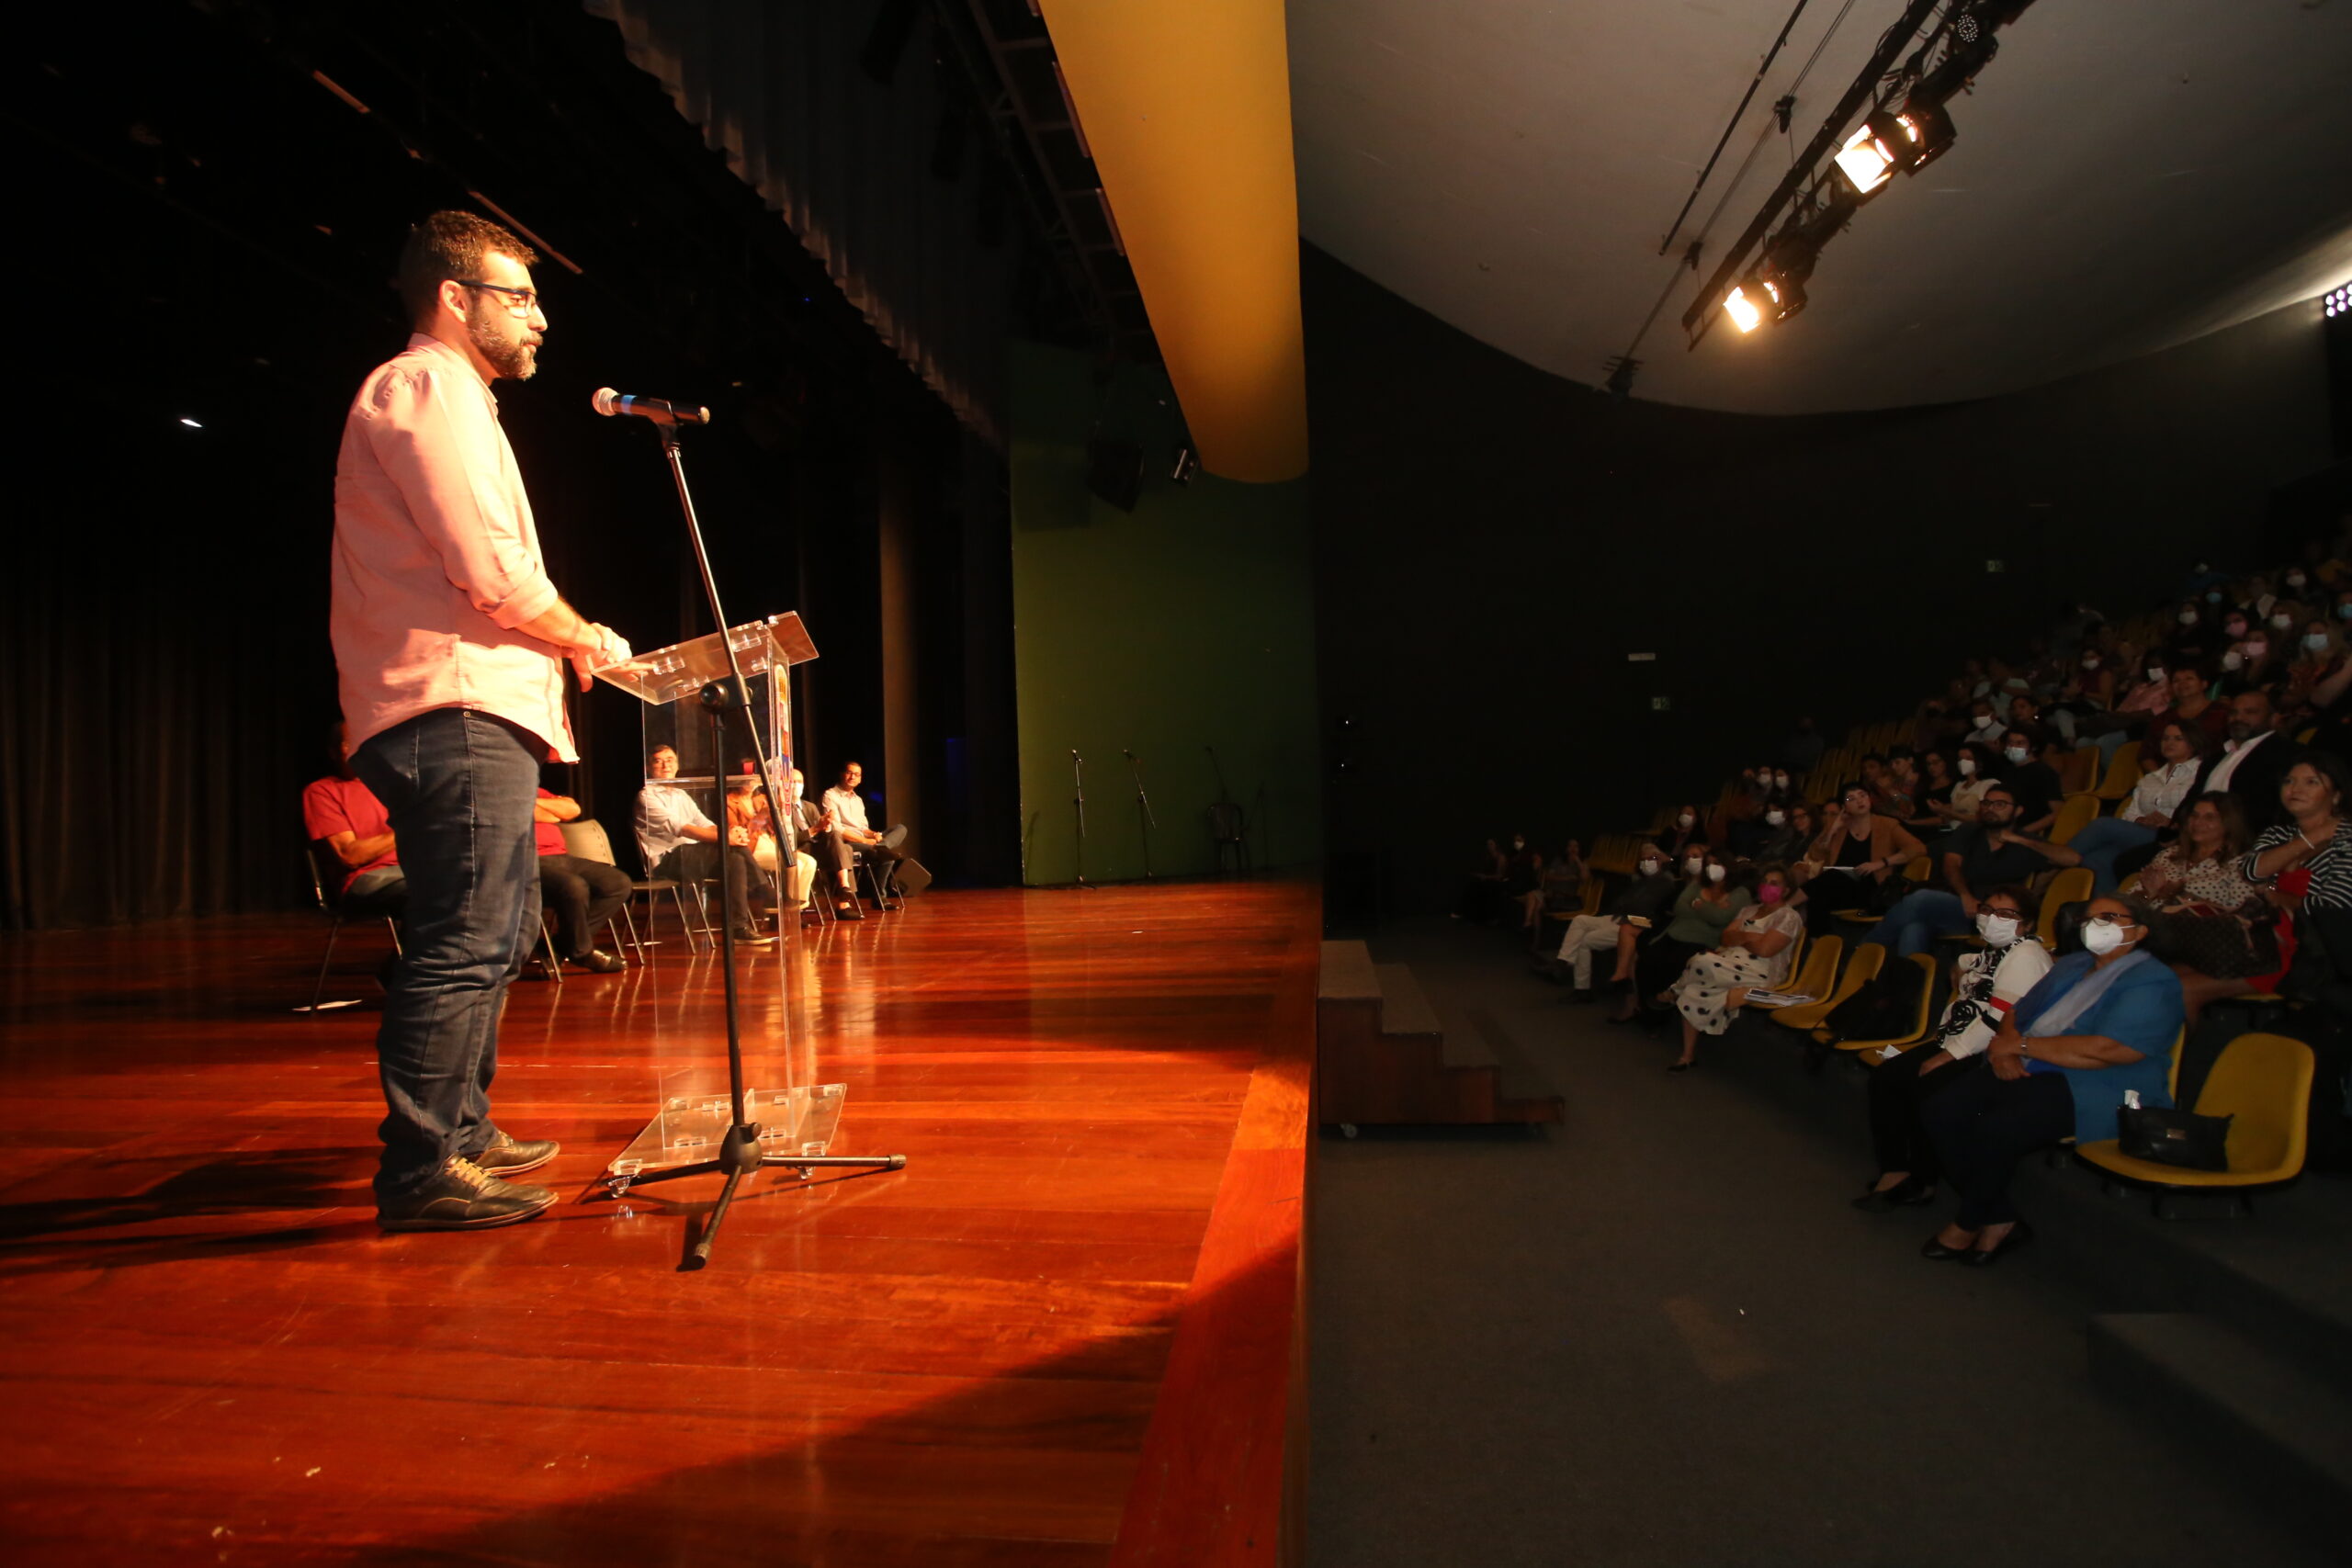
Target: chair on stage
1229	831
584	839
337	909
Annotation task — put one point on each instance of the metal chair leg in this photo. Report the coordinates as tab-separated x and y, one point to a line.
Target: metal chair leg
546	947
321	988
685	927
629	917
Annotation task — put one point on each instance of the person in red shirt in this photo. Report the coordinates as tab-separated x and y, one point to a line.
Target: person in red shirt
583	894
344	815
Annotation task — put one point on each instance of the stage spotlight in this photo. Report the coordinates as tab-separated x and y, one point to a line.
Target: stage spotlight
1888	144
2339	300
189	422
1741	307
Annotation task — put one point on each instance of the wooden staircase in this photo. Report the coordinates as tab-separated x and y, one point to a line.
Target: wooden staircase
1383	1058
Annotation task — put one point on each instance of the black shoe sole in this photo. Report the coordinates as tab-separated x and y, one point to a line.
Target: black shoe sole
490	1222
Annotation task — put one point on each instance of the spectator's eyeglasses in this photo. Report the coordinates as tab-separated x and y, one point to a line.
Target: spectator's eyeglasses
521	301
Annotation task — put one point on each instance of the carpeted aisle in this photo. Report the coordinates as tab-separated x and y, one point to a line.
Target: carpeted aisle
1658	1335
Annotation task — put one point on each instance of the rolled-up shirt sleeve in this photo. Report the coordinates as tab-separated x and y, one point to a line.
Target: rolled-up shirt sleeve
441	458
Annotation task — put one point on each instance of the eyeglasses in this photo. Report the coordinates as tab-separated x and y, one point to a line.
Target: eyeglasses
521	301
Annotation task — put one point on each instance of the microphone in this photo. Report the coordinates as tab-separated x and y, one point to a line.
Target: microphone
608	402
1130	756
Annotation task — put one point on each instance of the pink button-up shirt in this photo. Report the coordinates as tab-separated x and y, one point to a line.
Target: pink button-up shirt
436	560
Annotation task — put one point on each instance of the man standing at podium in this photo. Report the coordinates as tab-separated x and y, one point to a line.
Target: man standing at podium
449	644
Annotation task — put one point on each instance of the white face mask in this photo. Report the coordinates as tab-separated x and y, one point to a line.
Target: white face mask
1967	767
2188	617
1779	780
1519	843
1693	865
2233	629
1714	873
1776	817
1998	930
2155	677
2090	663
2315	641
2233	660
2282	622
2017	754
1684	820
2103	937
1652	867
2295	580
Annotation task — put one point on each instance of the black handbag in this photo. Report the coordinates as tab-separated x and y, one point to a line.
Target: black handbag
2175	1137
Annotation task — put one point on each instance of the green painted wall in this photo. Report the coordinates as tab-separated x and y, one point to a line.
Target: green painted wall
1184	624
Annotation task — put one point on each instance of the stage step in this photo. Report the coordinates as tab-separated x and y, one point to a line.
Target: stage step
1384	1057
2276	1428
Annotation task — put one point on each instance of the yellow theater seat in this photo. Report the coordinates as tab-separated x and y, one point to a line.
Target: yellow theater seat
2264	1083
1916	1026
1859	973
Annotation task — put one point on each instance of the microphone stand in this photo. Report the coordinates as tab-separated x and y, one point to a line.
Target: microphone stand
1078	804
1143	810
728	704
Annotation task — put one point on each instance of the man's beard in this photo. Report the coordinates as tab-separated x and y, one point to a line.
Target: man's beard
513	359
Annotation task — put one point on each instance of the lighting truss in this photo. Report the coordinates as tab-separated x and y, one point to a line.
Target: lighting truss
1903	128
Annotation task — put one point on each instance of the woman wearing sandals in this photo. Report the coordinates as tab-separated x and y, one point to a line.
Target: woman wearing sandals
1986	984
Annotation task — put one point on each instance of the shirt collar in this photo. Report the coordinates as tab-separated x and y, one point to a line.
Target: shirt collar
432	344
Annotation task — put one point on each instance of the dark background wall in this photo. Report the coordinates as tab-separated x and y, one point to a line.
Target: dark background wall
214	233
1184	627
1491	542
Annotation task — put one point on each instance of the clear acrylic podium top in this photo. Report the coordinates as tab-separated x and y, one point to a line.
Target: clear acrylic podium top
684	668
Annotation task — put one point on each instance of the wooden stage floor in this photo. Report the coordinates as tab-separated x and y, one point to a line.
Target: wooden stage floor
1063	1335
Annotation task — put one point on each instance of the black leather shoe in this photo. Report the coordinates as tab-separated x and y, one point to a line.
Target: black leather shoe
596	961
1907	1193
1984	1258
1679	1066
1937	1252
463	1197
509	1156
756	936
849	910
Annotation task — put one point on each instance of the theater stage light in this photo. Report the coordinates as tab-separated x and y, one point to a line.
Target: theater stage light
2339	300
1888	144
1741	307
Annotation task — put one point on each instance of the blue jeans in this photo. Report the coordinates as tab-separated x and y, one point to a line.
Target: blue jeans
1917	920
458	786
2101	839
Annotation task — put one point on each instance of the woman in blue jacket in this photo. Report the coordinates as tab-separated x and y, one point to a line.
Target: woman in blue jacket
2103	1022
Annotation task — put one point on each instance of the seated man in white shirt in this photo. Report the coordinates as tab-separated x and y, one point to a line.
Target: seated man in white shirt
679	842
850	833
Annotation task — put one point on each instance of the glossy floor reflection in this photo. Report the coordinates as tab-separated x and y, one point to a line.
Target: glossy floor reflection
214	1356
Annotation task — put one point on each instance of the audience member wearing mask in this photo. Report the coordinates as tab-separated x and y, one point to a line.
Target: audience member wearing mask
1648	898
2153	803
1990	854
1753	954
1685	831
1986	984
2318	655
2194	639
2102	1022
1985	724
1977	770
1849	865
2032	784
1707	903
1789	831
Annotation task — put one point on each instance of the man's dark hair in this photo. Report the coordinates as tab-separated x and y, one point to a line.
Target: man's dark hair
450	245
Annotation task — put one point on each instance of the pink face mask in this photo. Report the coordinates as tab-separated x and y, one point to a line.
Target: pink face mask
1770	893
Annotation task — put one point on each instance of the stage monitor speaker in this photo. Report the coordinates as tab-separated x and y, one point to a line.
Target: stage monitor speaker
1114	472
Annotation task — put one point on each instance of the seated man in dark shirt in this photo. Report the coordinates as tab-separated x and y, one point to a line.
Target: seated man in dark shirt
1983	856
1647	897
2032	784
581	894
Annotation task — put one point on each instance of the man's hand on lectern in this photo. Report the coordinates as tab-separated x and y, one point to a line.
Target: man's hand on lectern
610	647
